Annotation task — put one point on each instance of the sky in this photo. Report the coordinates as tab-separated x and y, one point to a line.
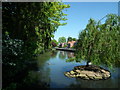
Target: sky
80	12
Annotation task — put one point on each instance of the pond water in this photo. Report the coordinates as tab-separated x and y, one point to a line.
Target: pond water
51	68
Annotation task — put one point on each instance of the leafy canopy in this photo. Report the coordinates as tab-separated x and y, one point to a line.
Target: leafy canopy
62	40
99	43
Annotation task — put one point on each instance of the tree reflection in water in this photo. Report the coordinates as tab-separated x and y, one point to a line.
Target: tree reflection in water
109	83
62	55
26	72
70	54
53	54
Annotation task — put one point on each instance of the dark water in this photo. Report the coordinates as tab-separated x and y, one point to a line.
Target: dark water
51	68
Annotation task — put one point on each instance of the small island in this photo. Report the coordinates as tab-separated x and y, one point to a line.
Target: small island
90	72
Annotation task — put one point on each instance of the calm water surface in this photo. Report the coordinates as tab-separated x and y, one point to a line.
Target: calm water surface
52	66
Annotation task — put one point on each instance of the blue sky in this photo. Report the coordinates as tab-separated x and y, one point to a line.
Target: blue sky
80	12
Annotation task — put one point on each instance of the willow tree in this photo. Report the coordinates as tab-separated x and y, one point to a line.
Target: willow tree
99	43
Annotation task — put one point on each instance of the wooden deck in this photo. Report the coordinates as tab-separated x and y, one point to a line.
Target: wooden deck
66	49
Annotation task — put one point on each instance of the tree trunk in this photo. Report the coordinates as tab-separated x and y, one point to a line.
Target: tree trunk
87	63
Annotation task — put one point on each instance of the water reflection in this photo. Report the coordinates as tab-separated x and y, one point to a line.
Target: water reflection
53	54
62	55
70	54
33	80
109	83
44	70
59	80
50	73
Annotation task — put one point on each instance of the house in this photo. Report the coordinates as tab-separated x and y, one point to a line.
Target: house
71	43
68	45
62	44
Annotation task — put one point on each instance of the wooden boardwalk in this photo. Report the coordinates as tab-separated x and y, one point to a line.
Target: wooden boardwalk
66	49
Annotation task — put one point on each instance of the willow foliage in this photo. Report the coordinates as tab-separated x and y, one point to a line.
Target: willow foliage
99	43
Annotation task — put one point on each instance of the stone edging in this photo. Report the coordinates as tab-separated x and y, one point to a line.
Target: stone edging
90	72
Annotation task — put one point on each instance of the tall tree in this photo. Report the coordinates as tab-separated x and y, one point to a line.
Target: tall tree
62	40
69	39
54	43
74	39
99	42
27	30
33	22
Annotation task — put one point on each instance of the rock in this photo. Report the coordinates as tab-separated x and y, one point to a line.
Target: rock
78	71
78	75
103	71
88	73
99	77
97	74
86	78
72	72
74	76
91	78
67	74
82	75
